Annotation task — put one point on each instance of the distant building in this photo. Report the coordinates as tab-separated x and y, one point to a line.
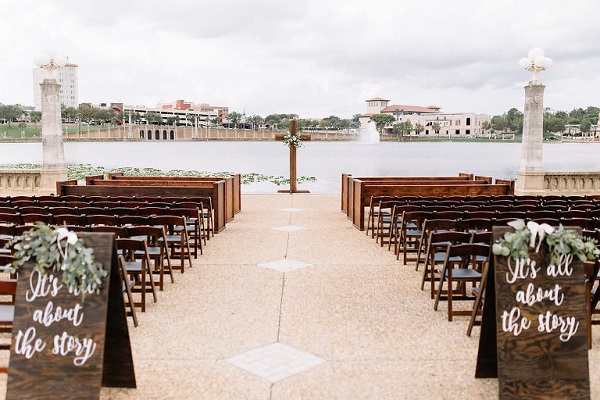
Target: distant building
187	114
68	80
453	124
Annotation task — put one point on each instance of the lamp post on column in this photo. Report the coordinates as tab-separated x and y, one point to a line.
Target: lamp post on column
53	155
530	177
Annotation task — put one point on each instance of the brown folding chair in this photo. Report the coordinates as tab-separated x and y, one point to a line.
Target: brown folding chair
467	273
435	255
177	241
127	287
158	251
138	268
8	287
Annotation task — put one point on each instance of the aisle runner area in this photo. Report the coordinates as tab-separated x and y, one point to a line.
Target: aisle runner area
291	301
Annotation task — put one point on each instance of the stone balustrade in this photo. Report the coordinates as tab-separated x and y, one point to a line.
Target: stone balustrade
572	183
20	180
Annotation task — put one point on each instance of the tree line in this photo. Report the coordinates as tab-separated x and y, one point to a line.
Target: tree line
511	121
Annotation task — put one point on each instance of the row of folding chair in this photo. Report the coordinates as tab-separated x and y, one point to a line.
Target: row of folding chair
110	216
118	205
497	203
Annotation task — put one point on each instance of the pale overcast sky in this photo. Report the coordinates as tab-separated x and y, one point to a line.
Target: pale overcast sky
311	57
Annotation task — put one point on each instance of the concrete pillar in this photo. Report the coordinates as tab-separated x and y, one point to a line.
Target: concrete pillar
53	153
530	177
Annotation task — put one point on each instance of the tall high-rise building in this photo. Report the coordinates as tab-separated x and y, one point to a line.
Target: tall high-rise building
69	86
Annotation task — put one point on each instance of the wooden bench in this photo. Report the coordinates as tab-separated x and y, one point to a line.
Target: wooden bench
233	187
214	190
363	190
348	187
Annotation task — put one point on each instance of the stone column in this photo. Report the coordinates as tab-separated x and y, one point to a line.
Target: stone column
53	154
530	177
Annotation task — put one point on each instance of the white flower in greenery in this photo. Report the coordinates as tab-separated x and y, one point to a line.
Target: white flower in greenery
540	231
65	233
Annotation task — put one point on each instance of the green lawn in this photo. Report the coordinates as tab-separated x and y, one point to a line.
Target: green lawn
35	130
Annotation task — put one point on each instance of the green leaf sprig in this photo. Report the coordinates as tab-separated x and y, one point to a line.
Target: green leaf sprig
58	249
560	242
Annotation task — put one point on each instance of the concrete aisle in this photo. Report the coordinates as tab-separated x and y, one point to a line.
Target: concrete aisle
291	273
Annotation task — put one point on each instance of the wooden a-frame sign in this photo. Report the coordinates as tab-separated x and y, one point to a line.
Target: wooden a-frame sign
534	327
63	347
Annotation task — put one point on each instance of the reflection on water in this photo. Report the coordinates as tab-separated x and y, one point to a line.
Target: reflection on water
324	160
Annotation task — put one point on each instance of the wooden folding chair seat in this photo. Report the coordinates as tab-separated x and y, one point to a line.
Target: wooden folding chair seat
385	218
90	210
432	225
487	214
138	268
193	223
374	212
207	210
118	231
177	241
454	214
24	203
536	214
106	203
69	219
389	225
133	204
101	219
8	288
158	251
63	210
30	219
52	203
8	210
583	223
474	224
123	211
32	210
435	255
411	229
159	204
7	231
78	204
576	213
47	197
134	220
466	273
151	211
95	199
203	217
21	229
12	218
128	285
73	197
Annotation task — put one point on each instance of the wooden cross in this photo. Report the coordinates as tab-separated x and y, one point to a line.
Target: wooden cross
293	183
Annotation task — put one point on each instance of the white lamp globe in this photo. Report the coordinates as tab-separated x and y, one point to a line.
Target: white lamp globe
60	61
524	62
535	53
42	60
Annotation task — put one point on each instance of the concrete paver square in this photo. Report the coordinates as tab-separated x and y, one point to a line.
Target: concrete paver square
285	265
276	361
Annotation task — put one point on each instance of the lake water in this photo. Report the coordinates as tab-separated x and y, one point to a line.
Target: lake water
324	160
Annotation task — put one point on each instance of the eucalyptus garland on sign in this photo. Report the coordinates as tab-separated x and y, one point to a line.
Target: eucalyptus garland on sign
292	140
561	242
58	249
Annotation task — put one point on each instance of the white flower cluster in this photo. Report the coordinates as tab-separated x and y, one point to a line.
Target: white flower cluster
292	140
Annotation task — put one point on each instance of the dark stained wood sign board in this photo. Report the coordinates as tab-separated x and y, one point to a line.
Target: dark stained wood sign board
541	327
63	347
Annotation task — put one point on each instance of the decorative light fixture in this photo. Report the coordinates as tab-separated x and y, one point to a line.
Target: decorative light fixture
535	62
50	63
